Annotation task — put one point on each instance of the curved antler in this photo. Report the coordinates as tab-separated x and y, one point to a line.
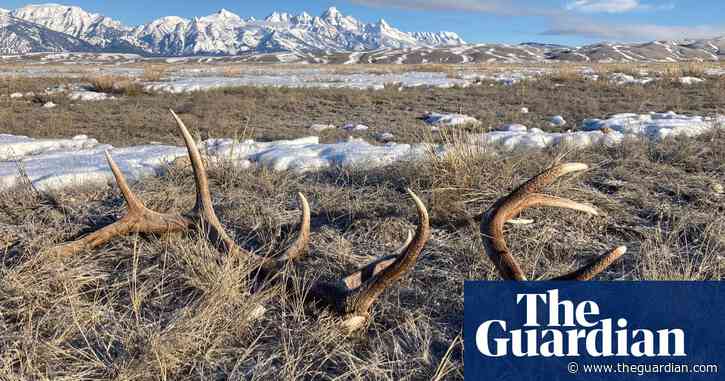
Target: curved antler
525	197
353	295
140	219
204	211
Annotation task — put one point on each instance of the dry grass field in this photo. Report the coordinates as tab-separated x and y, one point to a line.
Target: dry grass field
273	114
171	307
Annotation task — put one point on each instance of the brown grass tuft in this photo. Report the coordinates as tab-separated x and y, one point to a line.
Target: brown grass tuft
153	72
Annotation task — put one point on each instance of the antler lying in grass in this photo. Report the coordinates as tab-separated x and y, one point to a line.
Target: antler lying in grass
527	196
351	296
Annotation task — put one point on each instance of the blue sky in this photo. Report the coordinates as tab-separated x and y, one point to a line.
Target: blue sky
555	21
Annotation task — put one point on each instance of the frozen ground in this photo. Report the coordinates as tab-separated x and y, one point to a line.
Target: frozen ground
56	164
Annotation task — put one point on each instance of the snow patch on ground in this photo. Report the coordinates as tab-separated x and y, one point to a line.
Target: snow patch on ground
626	79
557	121
66	169
14	147
87	95
448	120
55	164
355	127
655	126
308	154
690	80
322	127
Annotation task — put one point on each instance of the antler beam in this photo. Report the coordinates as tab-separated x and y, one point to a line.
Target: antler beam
353	295
527	196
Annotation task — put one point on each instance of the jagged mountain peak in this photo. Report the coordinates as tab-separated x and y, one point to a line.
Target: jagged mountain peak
92	28
331	12
221	16
278	17
19	37
225	14
303	18
334	17
53	11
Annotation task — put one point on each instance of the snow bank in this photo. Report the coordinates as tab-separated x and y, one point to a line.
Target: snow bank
67	169
655	126
611	131
63	163
14	147
306	154
520	138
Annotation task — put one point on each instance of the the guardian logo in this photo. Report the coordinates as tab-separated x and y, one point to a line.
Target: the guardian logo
571	330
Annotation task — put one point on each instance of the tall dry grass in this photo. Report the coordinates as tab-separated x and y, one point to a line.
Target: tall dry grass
111	84
154	72
171	307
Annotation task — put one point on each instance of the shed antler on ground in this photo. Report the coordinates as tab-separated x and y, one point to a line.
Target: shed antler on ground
528	196
352	296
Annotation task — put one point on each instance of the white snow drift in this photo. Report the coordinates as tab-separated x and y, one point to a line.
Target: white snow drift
53	164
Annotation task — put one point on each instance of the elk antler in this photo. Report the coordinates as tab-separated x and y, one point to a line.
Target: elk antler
140	219
525	197
353	295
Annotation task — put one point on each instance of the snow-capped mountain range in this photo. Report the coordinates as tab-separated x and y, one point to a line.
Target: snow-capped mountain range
331	37
221	33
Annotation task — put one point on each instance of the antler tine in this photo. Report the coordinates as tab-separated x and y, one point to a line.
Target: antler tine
299	246
134	204
546	178
596	266
204	209
204	203
522	198
138	219
404	262
353	295
203	195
